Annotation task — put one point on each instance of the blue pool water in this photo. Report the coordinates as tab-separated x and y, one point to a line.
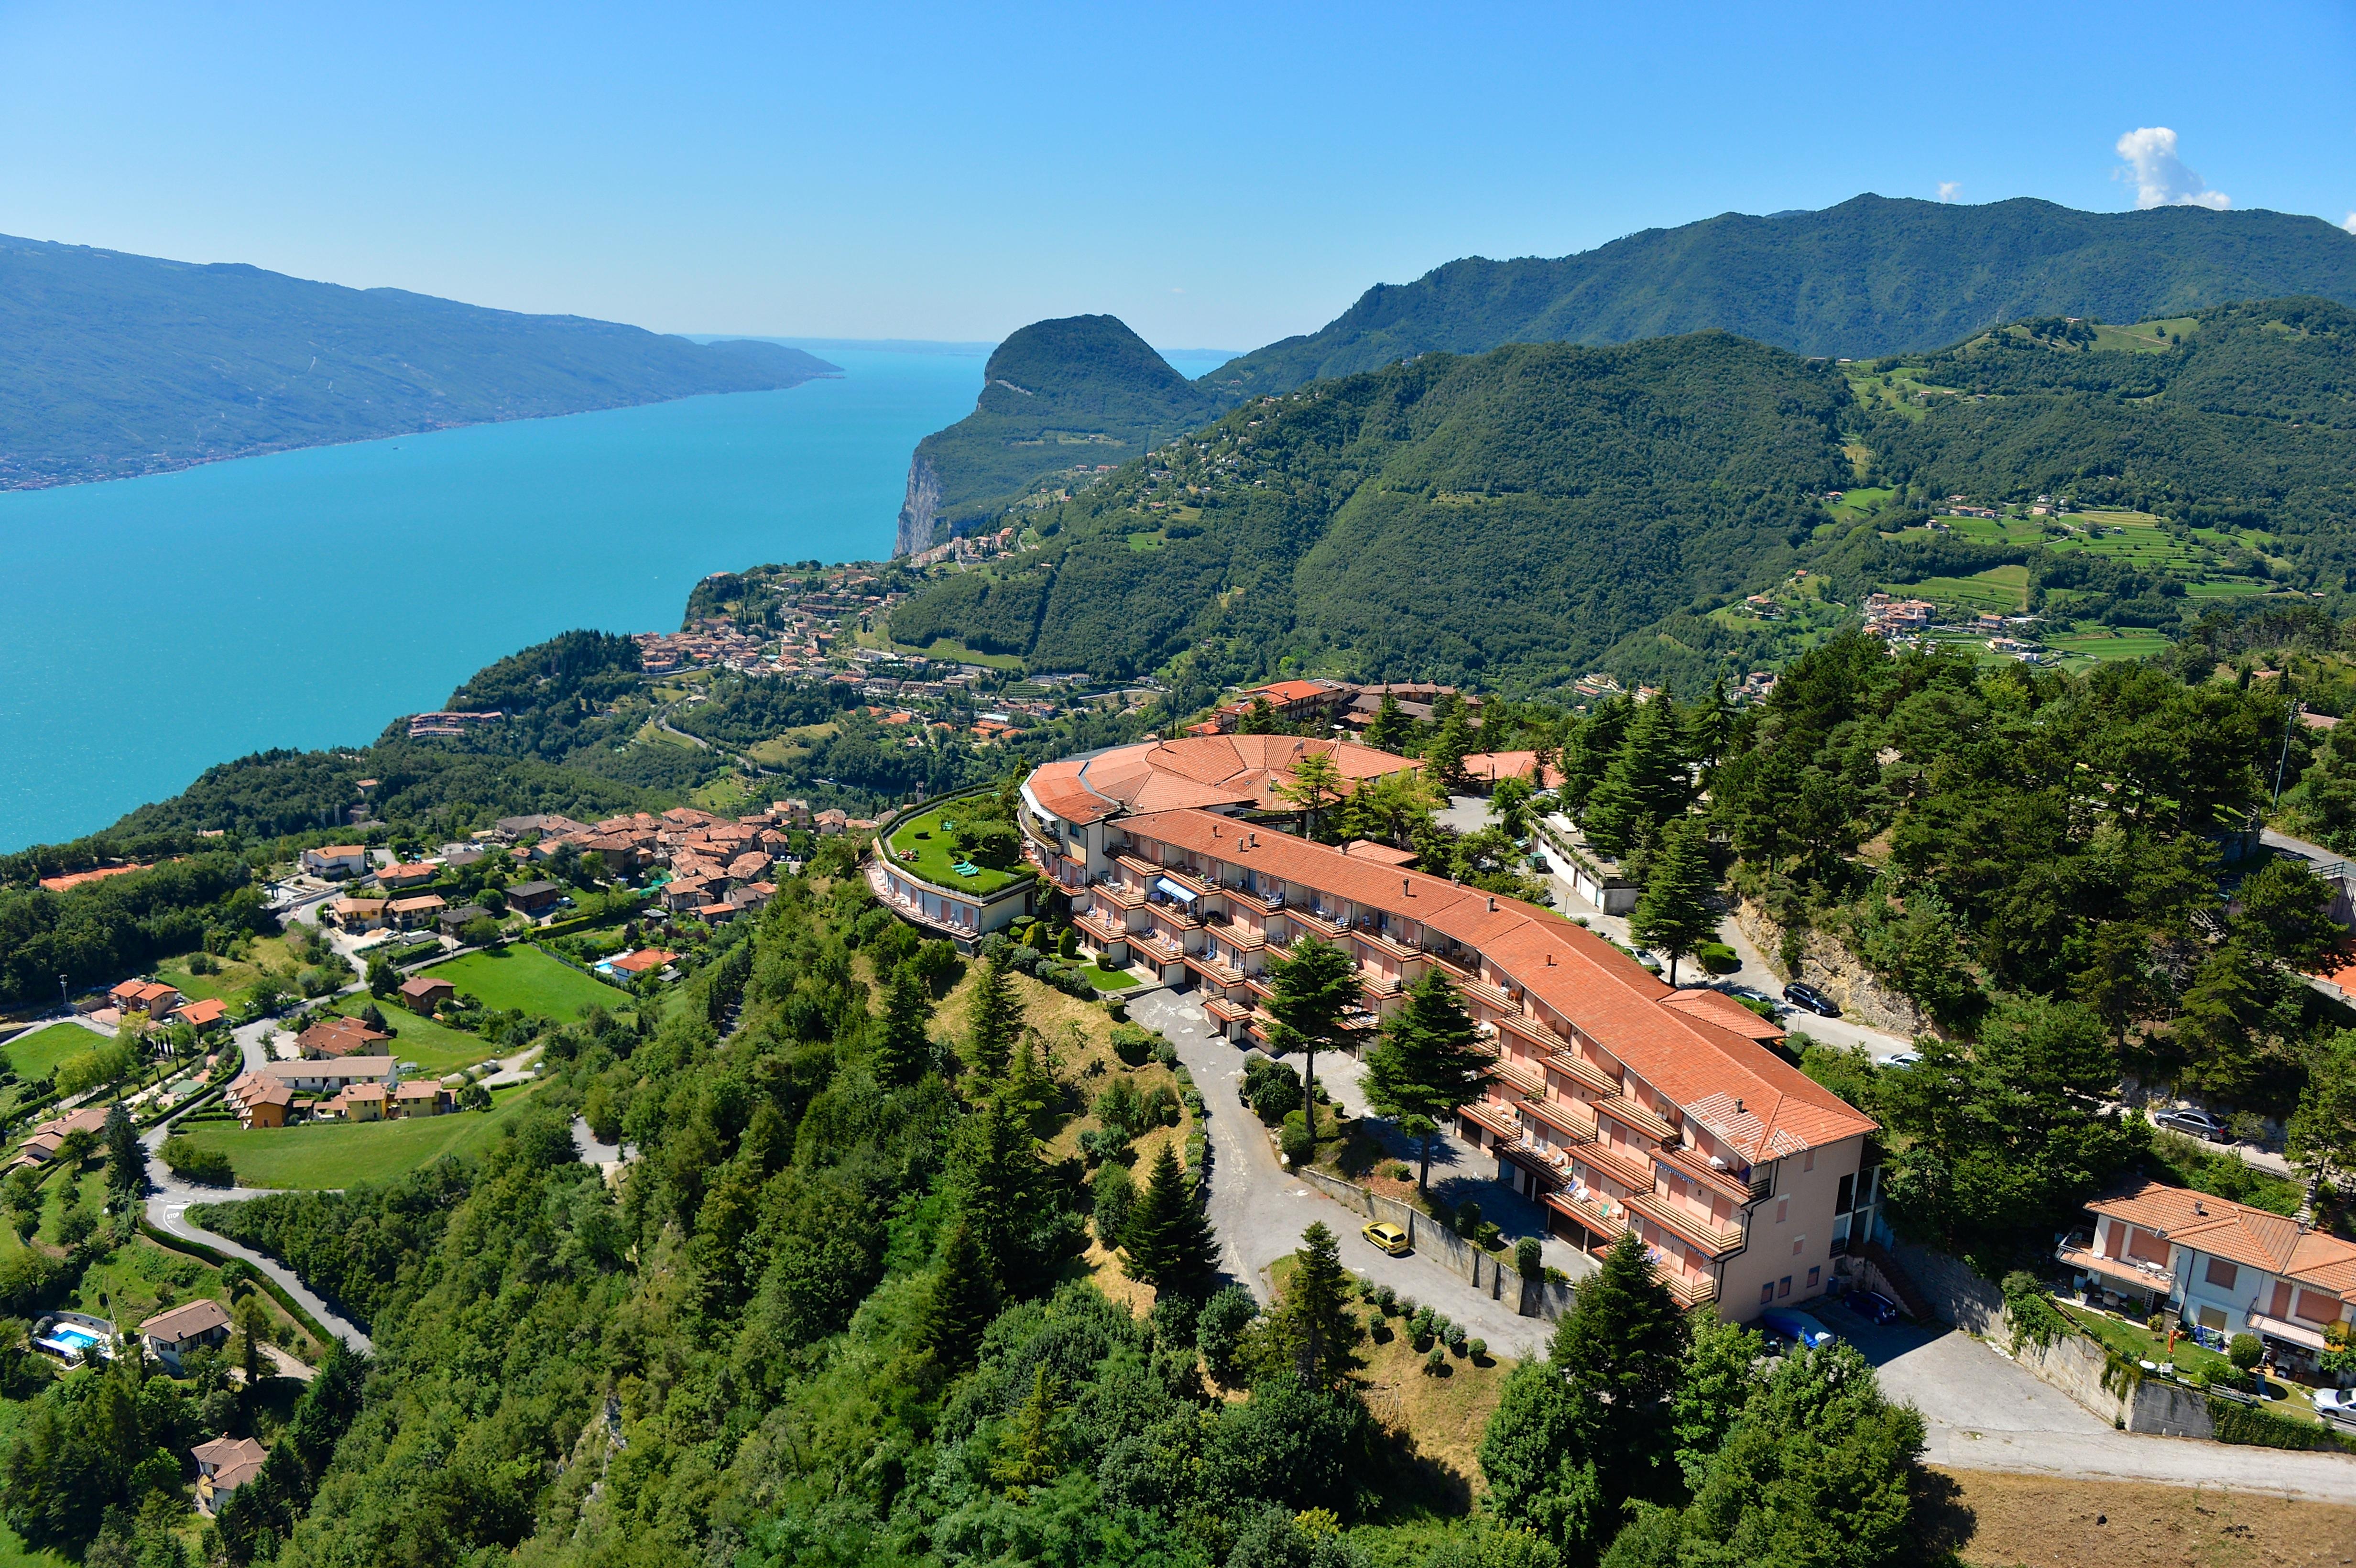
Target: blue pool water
73	1334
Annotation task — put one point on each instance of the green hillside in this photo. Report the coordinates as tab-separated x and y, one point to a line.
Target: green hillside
1519	517
1504	518
1870	276
113	365
1057	397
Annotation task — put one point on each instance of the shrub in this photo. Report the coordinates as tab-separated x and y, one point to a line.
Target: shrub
1067	946
1294	1140
1487	1235
1467	1219
1401	1173
1386	1299
1435	1362
1718	958
1272	1089
2035	1319
1530	1258
1479	1350
2247	1423
1104	960
2245	1352
1219	1328
1132	1043
187	1160
1164	1052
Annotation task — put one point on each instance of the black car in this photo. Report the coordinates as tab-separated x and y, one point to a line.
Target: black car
1871	1305
1800	993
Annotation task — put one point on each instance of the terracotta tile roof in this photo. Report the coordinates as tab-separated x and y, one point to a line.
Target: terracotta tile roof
1495	765
643	959
338	1036
225	1451
1368	849
2266	1241
201	1015
1748	1096
1203	770
187	1321
1718	1008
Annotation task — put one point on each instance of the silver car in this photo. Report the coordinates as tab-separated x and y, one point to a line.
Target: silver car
2193	1120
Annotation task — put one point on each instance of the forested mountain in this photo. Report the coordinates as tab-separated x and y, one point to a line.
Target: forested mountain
1518	517
1871	276
1078	392
113	365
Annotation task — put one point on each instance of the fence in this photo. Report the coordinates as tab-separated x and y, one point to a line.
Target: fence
1491	1274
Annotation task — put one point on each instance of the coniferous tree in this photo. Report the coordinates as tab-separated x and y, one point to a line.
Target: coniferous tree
1646	784
126	1161
1426	1065
1388	730
1314	984
1168	1237
1674	916
1314	784
1443	759
1587	753
903	1048
1259	719
996	1018
963	1299
1031	1441
1312	1331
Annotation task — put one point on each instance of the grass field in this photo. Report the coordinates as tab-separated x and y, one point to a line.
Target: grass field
234	977
337	1154
2000	590
2132	643
783	748
1860	503
526	978
946	648
435	1048
34	1055
928	836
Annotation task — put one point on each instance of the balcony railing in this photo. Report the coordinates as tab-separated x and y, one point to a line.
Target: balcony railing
1684	1223
2134	1271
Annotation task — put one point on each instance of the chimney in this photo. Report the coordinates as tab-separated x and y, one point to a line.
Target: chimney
1549	960
1493	903
1407	888
1738	1105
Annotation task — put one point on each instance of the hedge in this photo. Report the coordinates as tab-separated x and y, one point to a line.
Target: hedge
2262	1428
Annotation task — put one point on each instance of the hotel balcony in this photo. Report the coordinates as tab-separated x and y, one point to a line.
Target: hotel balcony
1102	932
1226	1011
1120	893
1689	1293
1629	1113
1713	1238
1500	1121
1154	945
2130	1271
1216	971
1327	926
1377	985
1586	1074
1732	1183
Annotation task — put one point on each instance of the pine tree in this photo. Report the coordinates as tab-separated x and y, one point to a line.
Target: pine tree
1388	730
1314	986
1646	784
903	1048
1313	1324
1620	1350
1314	781
1259	719
126	1161
1426	1065
1029	1089
963	1299
1168	1239
1674	916
1444	758
996	1018
1030	1442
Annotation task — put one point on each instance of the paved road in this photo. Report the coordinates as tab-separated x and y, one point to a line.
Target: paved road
1982	1411
169	1200
1259	1210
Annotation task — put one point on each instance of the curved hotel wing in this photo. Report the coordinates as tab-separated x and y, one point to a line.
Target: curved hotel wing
1618	1103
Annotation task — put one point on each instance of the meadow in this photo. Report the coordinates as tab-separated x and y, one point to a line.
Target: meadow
339	1153
526	979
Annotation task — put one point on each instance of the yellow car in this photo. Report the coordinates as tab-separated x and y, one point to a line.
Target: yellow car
1387	1236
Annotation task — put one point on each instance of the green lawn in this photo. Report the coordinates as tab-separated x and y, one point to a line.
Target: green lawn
2138	1343
1108	980
527	979
437	1048
2130	643
2000	590
339	1153
927	834
34	1055
944	648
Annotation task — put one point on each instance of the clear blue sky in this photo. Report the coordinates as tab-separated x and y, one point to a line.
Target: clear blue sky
1218	176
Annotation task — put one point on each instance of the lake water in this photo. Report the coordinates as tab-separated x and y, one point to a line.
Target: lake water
156	626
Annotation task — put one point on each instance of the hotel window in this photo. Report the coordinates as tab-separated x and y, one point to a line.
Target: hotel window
1798	1244
1782	1209
1784	1285
2220	1274
1812	1274
1767	1293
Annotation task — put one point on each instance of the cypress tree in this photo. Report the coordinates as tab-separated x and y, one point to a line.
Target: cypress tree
1674	915
1646	783
903	1049
1168	1237
1313	1322
996	1020
964	1299
1426	1065
126	1161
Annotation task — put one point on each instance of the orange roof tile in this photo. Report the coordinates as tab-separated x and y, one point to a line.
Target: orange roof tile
2263	1240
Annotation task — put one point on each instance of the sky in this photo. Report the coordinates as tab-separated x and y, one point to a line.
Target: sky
1217	176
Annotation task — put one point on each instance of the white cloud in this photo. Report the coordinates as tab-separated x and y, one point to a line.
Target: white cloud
1950	190
2350	224
2161	177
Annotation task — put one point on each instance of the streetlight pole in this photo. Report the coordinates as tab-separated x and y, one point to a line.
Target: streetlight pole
65	1004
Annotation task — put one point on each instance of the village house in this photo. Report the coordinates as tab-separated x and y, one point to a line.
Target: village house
170	1335
645	961
413	874
422	994
416	910
46	1139
1486	768
224	1464
259	1099
356	915
419	1097
331	1076
336	861
357	1102
451	922
203	1015
2223	1268
534	898
1618	1105
337	1037
154	999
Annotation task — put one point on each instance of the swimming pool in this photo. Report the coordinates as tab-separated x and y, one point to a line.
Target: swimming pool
73	1335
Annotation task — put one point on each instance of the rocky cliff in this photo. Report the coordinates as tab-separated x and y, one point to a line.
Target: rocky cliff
918	507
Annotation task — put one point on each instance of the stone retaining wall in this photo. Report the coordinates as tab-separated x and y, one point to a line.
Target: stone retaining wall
1827	964
1491	1274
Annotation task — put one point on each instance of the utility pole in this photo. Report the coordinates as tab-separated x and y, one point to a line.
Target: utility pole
64	1002
2289	725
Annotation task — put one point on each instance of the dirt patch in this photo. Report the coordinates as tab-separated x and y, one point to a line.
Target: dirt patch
2002	1520
1437	1418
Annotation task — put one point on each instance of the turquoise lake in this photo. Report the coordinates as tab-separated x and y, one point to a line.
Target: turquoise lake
159	625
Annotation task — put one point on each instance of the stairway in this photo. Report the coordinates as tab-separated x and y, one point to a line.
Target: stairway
1910	1295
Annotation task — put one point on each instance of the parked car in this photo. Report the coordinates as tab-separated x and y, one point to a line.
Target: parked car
2336	1404
1387	1236
1790	1323
1801	993
1903	1060
1871	1305
2192	1119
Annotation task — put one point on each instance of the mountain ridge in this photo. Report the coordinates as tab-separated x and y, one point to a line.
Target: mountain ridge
1869	276
114	365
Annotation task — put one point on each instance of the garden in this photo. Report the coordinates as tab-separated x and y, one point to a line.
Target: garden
954	846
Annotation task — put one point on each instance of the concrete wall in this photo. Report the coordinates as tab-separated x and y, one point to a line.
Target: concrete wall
1491	1274
2074	1363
